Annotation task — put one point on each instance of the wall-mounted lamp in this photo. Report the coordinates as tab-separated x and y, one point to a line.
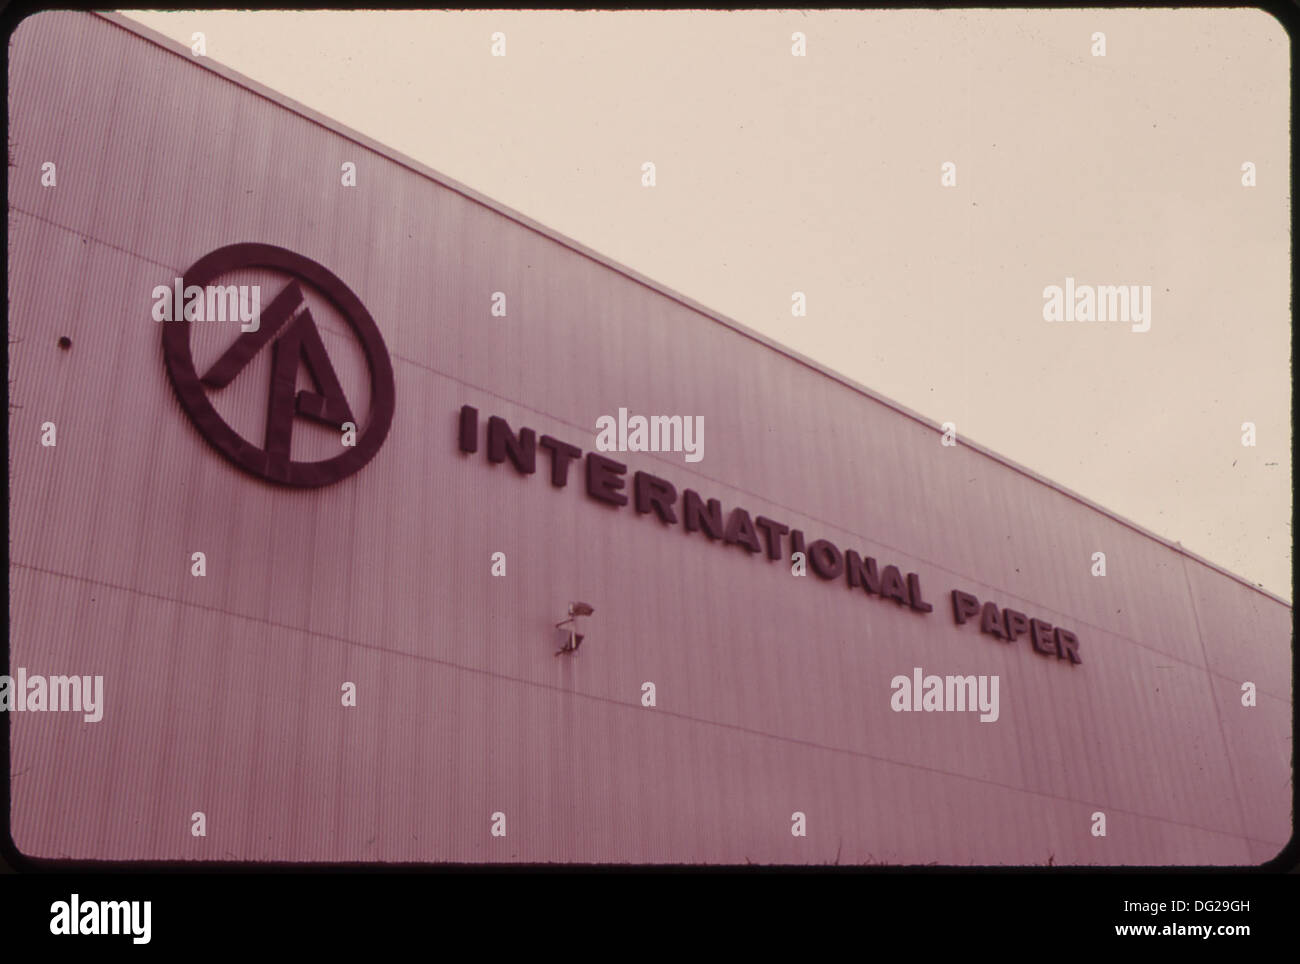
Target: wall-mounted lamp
576	609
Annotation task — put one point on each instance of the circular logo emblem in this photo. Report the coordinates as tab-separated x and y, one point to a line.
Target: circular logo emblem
285	325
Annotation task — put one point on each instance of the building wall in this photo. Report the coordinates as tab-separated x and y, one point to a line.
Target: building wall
773	691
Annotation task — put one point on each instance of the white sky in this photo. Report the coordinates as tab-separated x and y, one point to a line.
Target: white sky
822	174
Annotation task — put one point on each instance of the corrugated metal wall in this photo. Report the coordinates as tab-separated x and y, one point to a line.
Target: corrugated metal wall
223	692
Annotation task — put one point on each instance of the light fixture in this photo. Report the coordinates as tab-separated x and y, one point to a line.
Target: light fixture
576	609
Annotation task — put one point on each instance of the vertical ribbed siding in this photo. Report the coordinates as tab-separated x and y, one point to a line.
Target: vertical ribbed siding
773	692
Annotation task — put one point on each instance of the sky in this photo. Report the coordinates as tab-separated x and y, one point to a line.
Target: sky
1119	161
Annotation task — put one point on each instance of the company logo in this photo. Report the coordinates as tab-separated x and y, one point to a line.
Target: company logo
288	328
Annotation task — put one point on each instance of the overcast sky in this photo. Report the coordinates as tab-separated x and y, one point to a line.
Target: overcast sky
777	173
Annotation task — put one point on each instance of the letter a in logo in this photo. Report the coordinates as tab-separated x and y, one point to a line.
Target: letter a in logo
299	346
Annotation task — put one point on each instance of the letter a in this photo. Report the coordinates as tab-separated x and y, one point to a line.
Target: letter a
901	701
798	824
1053	303
59	922
607	433
162	305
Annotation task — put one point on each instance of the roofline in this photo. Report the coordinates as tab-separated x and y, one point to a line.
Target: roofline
205	63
